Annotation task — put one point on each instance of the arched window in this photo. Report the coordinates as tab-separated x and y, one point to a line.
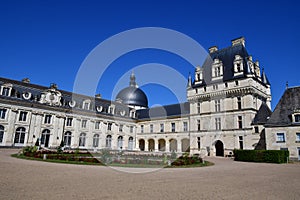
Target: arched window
120	142
67	138
82	139
130	143
1	133
20	135
96	140
45	137
108	141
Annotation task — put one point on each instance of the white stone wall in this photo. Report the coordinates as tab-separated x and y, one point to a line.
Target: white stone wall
290	140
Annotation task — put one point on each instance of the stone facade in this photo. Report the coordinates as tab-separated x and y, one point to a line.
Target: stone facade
283	127
223	100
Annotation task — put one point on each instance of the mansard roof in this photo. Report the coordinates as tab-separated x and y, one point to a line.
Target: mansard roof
227	57
288	104
174	110
262	115
97	105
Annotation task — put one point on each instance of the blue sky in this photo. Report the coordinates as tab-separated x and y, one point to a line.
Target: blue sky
47	41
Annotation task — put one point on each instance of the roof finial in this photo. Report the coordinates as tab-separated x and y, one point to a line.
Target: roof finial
189	81
286	85
132	82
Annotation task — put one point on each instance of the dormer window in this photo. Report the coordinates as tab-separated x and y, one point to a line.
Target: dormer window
6	90
111	109
217	69
86	104
198	75
238	65
296	118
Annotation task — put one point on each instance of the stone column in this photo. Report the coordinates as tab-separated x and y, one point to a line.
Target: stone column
146	145
179	145
167	146
156	145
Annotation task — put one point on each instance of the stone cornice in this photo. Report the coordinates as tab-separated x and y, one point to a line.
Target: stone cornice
239	91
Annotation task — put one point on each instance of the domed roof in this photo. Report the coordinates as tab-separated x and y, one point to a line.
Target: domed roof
132	95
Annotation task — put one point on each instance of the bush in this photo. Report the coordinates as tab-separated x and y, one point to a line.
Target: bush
268	156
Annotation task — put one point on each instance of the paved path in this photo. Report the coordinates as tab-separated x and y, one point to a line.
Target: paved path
24	179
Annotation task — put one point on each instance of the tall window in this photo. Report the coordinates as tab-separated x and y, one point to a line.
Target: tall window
256	129
241	142
198	125
96	140
185	126
108	141
142	128
1	133
130	143
198	107
173	127
82	139
131	129
240	122
239	103
218	123
83	123
121	128
109	125
162	128
45	137
217	105
23	116
20	135
151	128
2	113
280	138
97	125
199	143
67	138
47	119
297	137
69	121
120	142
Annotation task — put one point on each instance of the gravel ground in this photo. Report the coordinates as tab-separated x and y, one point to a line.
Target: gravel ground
24	179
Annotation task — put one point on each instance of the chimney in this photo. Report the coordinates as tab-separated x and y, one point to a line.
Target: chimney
237	41
98	96
26	80
53	86
213	49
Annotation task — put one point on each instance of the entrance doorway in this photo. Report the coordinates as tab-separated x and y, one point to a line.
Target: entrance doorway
219	148
142	144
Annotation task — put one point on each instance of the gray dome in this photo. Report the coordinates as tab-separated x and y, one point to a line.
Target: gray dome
133	96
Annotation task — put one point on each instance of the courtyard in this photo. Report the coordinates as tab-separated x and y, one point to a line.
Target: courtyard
227	179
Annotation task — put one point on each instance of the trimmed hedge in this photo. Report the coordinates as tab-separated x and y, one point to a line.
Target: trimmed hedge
268	156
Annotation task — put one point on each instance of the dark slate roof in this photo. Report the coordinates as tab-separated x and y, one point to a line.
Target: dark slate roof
164	111
289	102
262	115
133	96
227	56
20	88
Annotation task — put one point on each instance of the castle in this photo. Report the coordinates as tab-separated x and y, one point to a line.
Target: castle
228	106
